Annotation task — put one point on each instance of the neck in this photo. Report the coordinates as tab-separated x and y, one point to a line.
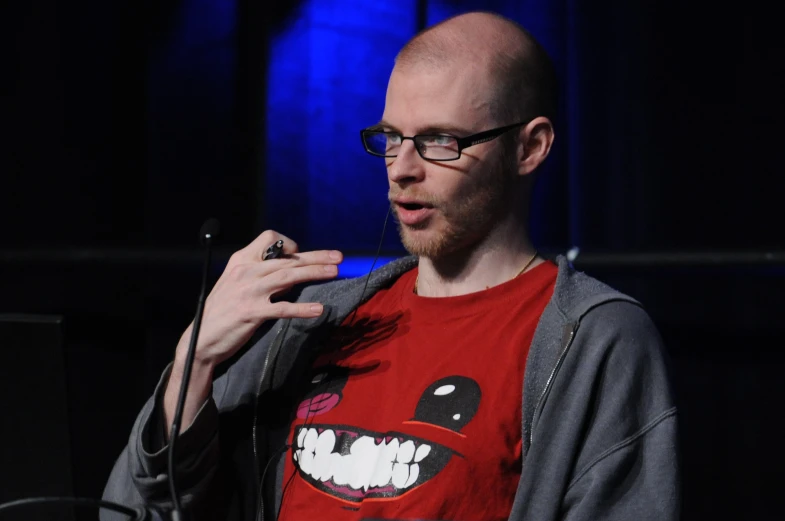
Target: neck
496	259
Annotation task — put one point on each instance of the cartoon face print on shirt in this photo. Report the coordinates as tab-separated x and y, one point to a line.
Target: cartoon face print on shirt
359	458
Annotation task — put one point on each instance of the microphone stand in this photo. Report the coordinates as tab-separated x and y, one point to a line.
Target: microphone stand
208	232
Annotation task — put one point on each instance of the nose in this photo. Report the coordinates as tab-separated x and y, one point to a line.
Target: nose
408	167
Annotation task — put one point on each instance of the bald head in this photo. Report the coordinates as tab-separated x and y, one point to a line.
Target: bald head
522	79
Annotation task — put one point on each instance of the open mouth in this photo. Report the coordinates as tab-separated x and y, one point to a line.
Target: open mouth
413	214
411	206
355	464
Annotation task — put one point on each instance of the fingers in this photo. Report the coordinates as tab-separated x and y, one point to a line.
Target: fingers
305	259
248	271
295	310
268	237
254	251
271	278
283	279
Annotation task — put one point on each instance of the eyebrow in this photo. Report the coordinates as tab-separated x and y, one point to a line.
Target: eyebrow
445	128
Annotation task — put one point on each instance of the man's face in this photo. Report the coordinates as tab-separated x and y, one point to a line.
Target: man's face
443	207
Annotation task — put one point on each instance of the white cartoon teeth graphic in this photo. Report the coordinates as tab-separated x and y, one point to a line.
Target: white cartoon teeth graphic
384	465
422	451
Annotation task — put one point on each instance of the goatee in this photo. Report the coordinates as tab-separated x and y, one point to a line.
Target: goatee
471	215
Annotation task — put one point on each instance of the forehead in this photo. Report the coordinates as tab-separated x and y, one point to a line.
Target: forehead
422	96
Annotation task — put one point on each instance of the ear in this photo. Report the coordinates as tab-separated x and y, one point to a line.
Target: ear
534	145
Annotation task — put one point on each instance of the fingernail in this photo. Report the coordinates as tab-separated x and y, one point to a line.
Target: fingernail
335	255
316	309
329	268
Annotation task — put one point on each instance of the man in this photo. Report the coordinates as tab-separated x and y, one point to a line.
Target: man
472	381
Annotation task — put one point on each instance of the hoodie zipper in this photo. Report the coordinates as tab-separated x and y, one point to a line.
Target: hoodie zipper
551	377
260	503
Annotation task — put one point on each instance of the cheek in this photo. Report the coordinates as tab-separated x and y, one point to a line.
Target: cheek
453	178
458	187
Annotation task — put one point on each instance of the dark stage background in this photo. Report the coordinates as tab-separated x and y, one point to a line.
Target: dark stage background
126	124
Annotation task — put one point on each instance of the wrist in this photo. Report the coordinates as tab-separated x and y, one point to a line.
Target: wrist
200	365
200	370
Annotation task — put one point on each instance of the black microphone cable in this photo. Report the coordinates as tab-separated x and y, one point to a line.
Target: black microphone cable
135	514
373	264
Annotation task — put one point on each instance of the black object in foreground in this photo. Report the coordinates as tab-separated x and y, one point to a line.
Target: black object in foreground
208	234
274	251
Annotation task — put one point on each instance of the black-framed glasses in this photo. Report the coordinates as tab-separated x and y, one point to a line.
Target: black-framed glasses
433	147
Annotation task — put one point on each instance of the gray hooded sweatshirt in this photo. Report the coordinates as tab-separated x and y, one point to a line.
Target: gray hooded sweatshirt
599	418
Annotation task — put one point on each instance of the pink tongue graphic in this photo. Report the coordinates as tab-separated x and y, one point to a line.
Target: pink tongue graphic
319	404
387	489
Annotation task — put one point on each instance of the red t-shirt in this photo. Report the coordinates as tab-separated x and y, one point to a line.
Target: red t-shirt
414	410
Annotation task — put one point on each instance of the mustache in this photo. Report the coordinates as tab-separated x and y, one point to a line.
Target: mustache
422	197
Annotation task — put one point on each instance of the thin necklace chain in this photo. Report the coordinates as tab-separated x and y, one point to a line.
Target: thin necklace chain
417	280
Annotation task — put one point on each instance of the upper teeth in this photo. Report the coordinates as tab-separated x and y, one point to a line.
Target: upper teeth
367	464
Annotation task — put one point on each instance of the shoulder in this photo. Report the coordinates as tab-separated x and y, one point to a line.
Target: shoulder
617	320
576	293
620	340
612	331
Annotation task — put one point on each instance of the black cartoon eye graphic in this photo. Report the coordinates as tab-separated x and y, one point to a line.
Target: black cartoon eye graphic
327	379
450	402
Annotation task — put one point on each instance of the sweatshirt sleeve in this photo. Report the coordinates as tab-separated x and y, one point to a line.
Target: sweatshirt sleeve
140	475
626	463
